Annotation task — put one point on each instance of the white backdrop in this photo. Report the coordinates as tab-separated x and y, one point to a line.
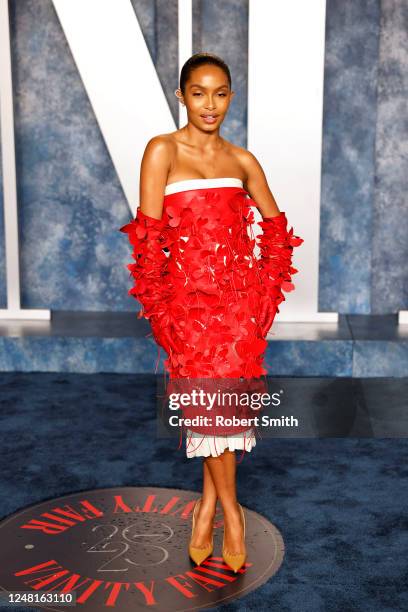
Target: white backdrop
285	116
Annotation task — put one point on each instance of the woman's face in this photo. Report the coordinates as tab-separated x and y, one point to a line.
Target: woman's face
207	97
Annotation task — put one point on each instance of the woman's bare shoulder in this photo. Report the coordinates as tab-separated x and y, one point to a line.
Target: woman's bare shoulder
245	158
161	143
158	155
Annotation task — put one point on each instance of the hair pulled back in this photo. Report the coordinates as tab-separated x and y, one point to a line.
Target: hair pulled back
201	59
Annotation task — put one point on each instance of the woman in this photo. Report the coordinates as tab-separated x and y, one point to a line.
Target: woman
210	302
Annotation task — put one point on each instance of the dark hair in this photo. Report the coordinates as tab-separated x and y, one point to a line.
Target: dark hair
201	59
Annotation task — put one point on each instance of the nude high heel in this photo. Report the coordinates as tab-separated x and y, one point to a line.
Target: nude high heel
198	555
235	560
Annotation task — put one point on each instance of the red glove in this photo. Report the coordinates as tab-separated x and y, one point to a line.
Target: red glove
152	285
276	245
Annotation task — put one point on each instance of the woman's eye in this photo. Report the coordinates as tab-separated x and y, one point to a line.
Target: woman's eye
199	94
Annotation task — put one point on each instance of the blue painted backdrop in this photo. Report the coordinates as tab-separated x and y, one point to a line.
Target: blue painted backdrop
70	199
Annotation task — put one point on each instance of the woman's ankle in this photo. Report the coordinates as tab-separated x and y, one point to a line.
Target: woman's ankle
231	508
208	506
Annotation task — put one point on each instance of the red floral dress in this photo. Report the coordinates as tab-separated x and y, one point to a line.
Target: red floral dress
209	300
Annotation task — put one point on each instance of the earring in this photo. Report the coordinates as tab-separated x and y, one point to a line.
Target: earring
179	99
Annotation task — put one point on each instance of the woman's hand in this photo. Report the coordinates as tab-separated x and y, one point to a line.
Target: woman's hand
164	335
267	315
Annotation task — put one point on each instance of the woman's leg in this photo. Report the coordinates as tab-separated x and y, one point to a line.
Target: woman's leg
223	472
206	511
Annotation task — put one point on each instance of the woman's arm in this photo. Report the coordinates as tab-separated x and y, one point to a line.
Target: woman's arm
257	185
154	170
152	285
276	243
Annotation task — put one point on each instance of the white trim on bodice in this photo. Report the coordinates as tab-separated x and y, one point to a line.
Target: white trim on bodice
201	183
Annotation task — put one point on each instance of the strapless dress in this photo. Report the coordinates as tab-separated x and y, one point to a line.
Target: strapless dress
209	300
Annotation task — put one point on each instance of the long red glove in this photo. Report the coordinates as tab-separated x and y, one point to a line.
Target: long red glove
152	287
276	245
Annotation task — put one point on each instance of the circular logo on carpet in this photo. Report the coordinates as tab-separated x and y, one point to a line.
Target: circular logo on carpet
126	548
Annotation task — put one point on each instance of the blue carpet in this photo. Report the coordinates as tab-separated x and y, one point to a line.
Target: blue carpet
340	503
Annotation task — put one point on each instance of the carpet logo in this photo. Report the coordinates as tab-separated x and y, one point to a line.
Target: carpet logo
126	548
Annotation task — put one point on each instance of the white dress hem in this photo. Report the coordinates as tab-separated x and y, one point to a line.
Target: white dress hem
198	445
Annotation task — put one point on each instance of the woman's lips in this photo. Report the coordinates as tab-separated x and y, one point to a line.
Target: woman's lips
209	118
